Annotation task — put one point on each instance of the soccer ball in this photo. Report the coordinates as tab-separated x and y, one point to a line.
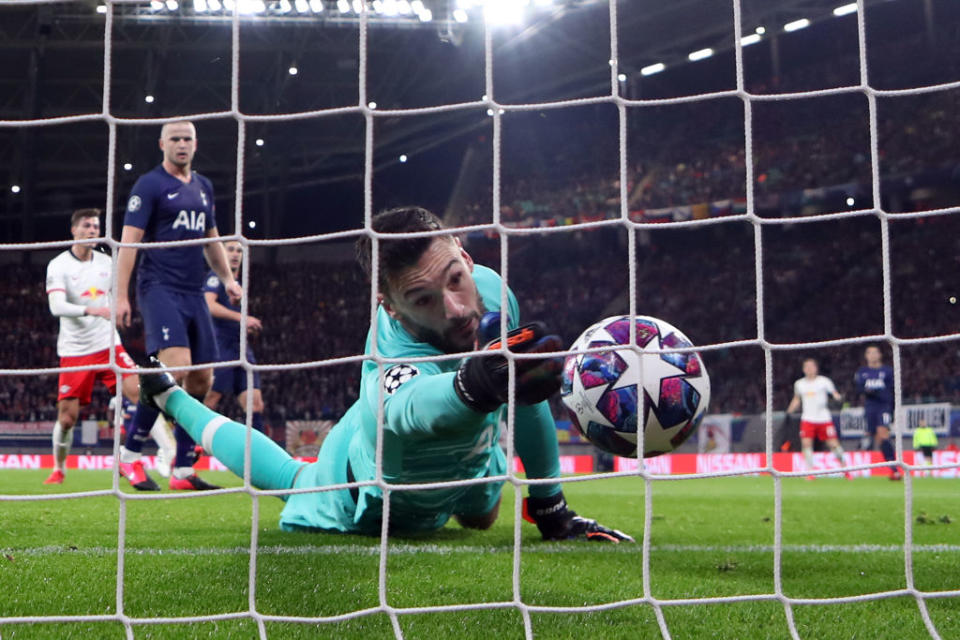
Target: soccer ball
609	395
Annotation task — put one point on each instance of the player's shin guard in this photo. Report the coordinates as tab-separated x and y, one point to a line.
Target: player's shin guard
271	466
138	433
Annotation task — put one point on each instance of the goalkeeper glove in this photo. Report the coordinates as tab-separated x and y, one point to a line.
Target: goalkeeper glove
556	522
481	381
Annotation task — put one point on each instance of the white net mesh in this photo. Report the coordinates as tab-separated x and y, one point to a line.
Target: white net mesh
505	232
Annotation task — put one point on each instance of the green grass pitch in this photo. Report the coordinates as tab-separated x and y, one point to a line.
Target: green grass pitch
709	537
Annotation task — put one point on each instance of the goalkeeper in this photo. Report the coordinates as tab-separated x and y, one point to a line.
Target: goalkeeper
441	419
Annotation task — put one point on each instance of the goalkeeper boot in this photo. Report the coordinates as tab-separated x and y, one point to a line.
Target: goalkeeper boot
139	480
153	384
191	483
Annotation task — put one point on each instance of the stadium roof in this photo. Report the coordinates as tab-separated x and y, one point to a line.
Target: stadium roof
170	59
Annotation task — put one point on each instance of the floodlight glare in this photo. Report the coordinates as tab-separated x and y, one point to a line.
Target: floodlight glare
173	5
155	5
652	69
372	105
796	25
285	6
148	99
622	77
200	6
845	9
357	6
700	54
302	6
259	142
127	166
760	30
343	6
252	224
403	158
293	70
404	7
316	6
426	15
417	6
15	188
753	38
851	202
214	5
460	15
101	8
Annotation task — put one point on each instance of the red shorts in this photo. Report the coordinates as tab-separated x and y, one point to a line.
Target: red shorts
79	384
821	430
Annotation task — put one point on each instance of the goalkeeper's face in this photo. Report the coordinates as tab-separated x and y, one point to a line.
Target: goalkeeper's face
436	299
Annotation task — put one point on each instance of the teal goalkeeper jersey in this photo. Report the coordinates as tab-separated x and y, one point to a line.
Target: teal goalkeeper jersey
429	435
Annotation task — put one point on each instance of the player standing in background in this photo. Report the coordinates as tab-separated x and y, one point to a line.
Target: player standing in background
166	445
875	382
441	418
813	391
78	292
226	323
172	202
925	441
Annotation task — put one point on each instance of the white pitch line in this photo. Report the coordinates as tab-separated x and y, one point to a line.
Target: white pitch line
433	549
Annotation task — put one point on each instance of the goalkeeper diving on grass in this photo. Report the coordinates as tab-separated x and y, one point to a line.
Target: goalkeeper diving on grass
441	419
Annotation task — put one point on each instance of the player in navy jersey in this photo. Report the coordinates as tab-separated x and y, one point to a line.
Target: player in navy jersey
172	202
875	382
226	324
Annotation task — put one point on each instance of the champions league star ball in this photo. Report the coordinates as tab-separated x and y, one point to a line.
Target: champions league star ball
610	395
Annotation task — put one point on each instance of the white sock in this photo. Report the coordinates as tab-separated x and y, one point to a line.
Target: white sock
182	472
808	457
838	454
127	456
62	441
161	398
161	434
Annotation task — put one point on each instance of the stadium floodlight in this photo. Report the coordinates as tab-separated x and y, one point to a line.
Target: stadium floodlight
700	54
248	7
228	5
851	201
214	5
259	142
622	77
748	40
404	7
293	70
358	6
460	15
796	25
845	9
200	6
371	105
503	12
173	5
343	6
649	70
378	6
127	166
403	157
316	6
15	188
148	99
101	8
417	6
252	224
425	16
760	31
302	6
155	5
285	6
389	7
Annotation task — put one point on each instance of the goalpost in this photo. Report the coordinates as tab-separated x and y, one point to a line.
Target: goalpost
371	113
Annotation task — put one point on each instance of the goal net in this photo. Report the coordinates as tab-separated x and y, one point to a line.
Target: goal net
656	202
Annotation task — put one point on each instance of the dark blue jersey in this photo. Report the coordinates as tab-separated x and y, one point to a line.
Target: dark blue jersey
168	209
228	331
876	384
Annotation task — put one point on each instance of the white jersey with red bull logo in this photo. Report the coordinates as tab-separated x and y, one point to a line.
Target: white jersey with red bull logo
814	394
85	283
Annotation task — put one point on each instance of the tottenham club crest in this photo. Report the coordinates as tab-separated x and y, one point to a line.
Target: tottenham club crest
397	375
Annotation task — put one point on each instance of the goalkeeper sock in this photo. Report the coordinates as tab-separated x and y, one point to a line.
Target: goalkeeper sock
808	457
271	466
